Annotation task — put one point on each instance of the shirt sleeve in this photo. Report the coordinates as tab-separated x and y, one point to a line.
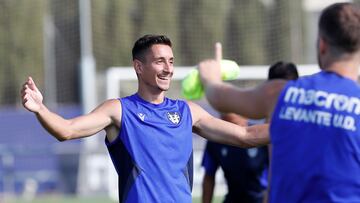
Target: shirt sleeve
209	162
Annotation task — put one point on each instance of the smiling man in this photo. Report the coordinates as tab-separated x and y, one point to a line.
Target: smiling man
152	147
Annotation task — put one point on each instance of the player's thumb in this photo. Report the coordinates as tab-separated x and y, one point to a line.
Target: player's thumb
32	84
218	51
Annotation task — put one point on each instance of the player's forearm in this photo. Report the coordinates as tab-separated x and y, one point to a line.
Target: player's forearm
257	135
227	133
54	124
253	103
214	91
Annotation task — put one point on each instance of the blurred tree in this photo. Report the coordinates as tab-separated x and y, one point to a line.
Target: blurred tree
298	32
157	18
20	46
202	23
285	29
112	32
65	15
253	32
245	41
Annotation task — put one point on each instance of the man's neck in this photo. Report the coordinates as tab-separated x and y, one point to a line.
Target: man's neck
152	97
347	67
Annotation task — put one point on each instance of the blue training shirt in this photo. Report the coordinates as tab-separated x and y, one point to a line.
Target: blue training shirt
315	135
153	152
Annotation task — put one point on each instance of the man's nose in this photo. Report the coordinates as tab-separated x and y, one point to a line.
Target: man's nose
168	67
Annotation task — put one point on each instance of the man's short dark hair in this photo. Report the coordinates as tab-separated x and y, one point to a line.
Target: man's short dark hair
283	70
339	25
145	42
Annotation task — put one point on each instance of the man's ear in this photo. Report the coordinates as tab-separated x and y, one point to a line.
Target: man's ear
323	46
138	66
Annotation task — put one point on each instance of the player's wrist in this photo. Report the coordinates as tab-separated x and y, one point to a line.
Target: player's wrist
41	109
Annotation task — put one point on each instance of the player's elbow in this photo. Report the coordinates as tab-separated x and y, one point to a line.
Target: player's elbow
62	138
215	101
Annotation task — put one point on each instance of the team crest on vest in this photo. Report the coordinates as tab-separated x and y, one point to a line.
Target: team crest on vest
174	117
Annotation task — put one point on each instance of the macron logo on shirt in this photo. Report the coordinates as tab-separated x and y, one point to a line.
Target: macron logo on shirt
141	116
331	109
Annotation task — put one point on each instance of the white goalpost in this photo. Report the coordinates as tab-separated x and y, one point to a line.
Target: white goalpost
114	75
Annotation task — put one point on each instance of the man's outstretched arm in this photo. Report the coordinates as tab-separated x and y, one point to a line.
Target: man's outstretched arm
220	131
65	129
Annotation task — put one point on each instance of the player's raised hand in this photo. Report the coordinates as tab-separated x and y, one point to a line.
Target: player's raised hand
31	96
210	70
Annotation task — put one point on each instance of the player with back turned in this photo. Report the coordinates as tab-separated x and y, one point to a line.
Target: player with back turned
245	170
314	126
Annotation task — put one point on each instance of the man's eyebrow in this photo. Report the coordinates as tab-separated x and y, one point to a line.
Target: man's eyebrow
162	57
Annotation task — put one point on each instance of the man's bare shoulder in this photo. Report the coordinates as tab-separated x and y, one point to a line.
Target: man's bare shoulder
194	108
112	102
272	90
274	87
112	108
197	112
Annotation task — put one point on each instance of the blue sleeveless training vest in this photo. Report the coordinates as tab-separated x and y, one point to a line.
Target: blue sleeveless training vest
153	152
315	135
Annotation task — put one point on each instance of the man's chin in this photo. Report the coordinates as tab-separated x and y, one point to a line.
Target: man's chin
163	87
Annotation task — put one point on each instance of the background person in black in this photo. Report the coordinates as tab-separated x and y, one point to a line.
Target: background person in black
245	170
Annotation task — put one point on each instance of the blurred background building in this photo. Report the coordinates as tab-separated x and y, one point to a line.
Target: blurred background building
47	40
